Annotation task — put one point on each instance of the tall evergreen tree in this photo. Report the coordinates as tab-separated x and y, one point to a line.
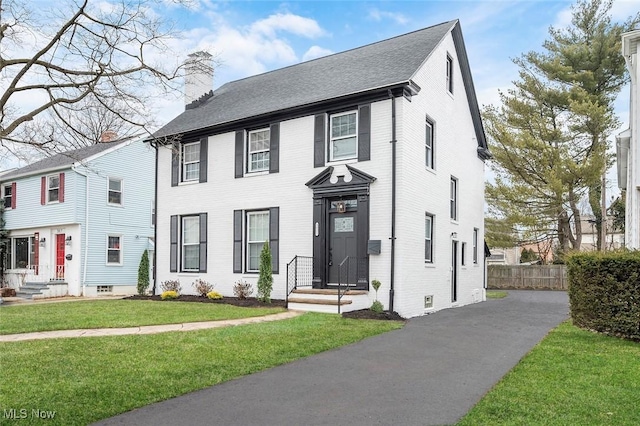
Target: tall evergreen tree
549	136
587	56
265	280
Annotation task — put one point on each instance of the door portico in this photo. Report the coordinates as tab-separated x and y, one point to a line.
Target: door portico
340	227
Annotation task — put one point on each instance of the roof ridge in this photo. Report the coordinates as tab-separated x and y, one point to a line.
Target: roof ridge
334	54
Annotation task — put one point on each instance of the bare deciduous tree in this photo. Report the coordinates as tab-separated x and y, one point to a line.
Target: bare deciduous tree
78	59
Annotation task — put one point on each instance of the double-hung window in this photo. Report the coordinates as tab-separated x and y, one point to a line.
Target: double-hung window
343	144
449	74
258	155
453	202
428	238
7	194
115	191
114	250
191	243
53	189
257	234
190	159
429	145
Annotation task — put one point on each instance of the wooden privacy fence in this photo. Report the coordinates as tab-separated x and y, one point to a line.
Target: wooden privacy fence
542	277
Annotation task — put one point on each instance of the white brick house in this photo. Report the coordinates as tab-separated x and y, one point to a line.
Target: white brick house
375	155
628	145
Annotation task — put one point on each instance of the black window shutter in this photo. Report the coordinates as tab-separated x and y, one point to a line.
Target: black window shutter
173	251
274	148
239	153
274	237
364	133
175	164
237	241
203	242
319	141
204	142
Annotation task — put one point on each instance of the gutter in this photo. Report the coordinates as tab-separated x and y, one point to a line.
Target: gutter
155	226
86	228
393	200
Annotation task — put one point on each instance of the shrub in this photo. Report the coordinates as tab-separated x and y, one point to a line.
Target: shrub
242	289
604	292
214	295
143	274
169	294
265	281
171	285
377	307
202	287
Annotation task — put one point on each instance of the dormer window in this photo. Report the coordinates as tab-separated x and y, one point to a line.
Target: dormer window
343	144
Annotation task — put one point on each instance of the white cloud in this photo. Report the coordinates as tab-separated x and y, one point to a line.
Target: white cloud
378	15
316	52
287	22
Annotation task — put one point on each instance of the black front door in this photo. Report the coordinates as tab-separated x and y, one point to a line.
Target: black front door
454	271
342	243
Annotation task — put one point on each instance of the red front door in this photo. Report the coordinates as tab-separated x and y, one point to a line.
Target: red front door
59	273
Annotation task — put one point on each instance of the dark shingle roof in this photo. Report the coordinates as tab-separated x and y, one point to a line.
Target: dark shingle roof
376	65
61	160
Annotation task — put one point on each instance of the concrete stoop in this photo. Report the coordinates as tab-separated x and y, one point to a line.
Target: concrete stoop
326	300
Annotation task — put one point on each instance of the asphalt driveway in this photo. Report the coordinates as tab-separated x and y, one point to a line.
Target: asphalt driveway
431	372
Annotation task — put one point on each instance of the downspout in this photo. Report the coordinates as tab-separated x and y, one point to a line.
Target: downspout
393	200
155	227
86	228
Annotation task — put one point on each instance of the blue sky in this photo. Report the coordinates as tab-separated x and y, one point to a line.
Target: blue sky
251	37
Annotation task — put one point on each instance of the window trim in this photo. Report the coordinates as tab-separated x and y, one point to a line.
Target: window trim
463	253
109	190
430	148
49	189
182	243
449	74
10	186
330	139
248	242
250	152
431	219
475	245
183	163
453	198
120	250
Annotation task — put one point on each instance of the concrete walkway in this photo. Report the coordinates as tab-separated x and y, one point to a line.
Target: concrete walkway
145	329
431	372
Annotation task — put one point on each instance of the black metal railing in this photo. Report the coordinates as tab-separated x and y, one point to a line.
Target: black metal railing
352	272
299	274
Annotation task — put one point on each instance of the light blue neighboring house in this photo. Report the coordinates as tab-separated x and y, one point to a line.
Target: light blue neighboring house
80	221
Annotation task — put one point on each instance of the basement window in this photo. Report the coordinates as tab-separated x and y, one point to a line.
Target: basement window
104	289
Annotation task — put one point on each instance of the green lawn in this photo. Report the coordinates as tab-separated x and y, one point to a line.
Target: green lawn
496	294
116	313
87	379
573	377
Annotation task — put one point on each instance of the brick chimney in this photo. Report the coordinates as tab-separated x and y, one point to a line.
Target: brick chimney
108	136
198	77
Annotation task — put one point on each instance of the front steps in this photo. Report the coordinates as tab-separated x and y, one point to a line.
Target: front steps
46	290
29	290
326	300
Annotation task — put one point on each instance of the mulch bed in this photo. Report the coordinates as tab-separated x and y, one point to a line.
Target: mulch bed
252	302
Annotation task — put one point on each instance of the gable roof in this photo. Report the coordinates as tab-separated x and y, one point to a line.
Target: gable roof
374	67
64	160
